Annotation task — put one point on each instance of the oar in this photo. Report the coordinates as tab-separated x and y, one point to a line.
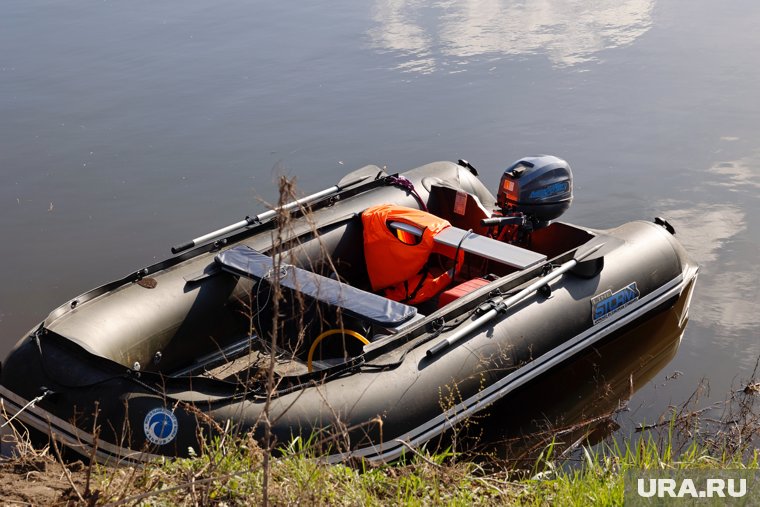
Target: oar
349	180
585	253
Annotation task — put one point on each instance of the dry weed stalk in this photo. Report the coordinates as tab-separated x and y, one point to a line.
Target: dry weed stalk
285	191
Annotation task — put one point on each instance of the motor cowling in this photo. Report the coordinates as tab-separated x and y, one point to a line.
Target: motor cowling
541	188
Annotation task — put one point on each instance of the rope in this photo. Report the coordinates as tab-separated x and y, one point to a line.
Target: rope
25	407
456	254
405	183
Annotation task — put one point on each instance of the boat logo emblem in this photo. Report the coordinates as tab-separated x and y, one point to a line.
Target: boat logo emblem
550	190
160	426
605	304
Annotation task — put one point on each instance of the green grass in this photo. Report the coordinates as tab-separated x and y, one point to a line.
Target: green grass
230	473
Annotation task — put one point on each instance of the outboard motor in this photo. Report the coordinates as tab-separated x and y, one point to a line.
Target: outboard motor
538	188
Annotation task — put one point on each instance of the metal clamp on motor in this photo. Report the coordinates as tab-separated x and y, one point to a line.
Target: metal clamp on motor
512	219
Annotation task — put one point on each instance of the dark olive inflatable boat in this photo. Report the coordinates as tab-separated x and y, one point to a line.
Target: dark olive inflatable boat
279	315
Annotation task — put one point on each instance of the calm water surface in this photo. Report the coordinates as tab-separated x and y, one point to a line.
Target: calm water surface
126	127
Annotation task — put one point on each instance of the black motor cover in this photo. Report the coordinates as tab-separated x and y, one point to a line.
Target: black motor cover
540	187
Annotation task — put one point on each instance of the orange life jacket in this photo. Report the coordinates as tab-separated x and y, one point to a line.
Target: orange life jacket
419	288
396	261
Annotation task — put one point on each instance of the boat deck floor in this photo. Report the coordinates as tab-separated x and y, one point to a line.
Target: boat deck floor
254	365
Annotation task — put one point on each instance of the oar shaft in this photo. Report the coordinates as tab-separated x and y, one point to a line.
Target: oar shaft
260	217
500	306
544	280
298	202
221	232
451	340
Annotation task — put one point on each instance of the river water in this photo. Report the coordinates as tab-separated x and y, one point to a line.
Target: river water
126	127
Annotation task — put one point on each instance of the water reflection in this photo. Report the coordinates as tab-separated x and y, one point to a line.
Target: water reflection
739	175
716	231
451	33
704	229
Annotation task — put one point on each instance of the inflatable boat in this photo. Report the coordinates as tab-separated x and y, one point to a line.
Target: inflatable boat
370	317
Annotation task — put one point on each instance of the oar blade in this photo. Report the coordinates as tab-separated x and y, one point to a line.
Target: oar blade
597	247
361	174
590	256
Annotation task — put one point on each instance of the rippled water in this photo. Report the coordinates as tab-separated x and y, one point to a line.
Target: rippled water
126	127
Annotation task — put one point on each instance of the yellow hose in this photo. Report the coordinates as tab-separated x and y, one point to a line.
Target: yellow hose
329	333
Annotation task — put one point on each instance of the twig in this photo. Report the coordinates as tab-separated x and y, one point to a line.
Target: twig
66	471
680	417
418	454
